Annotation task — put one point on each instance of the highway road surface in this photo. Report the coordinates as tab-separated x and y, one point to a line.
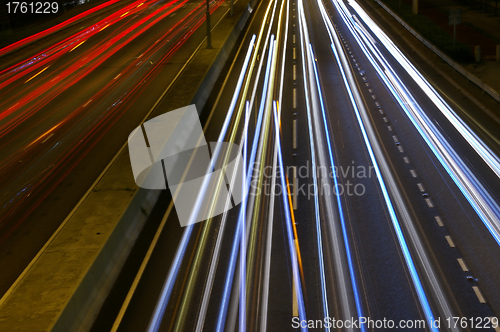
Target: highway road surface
371	201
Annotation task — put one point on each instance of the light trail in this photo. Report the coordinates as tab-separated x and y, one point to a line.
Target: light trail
41	71
76	46
211	275
243	245
230	271
339	203
289	231
27	40
155	321
71	154
485	205
270	224
350	302
382	172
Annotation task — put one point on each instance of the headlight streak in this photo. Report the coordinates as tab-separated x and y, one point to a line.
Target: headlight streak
156	318
339	203
345	285
291	247
357	102
221	319
302	27
243	246
211	275
480	199
488	156
254	92
268	248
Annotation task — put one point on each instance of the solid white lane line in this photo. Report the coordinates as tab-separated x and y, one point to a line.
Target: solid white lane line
462	264
450	241
439	221
479	295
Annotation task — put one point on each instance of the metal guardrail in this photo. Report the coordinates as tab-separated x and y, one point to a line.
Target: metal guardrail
493	93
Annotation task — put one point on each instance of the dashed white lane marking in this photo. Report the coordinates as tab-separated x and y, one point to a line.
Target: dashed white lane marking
294	72
294	53
413	173
294	134
429	202
295	188
450	241
374	97
395	138
117	76
439	221
406	160
45	140
385	119
420	187
85	105
294	98
293	39
462	264
381	111
389	128
400	148
479	295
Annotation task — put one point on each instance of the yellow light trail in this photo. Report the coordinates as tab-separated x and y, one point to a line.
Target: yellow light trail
41	71
44	134
77	46
107	25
